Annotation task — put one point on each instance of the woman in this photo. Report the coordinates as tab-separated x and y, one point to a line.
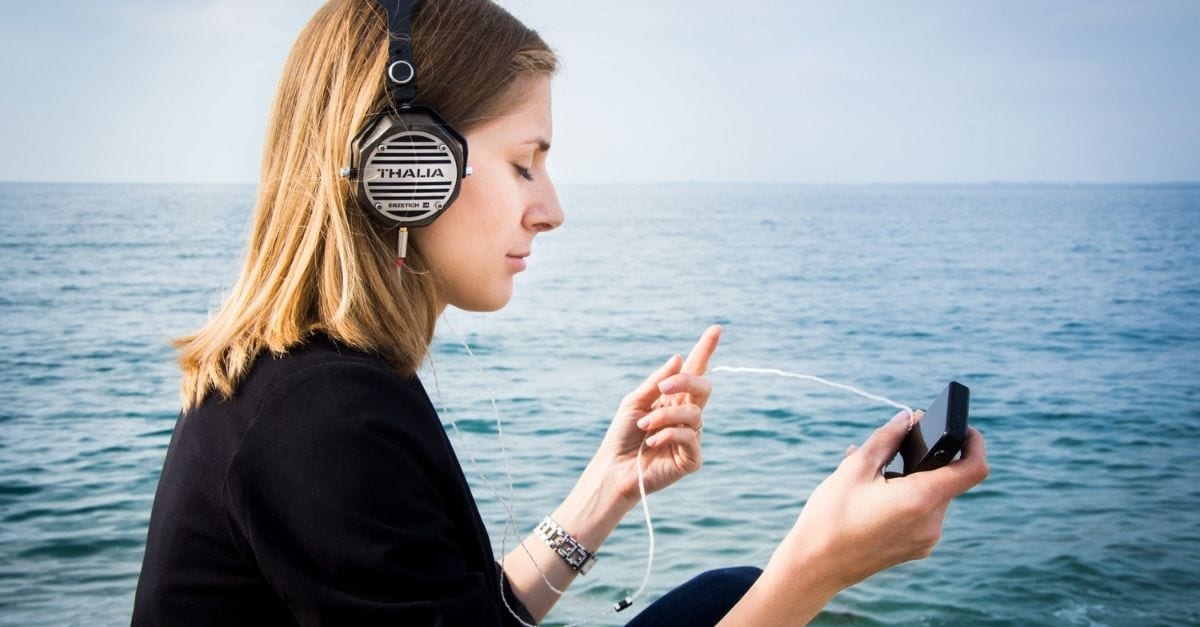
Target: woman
309	480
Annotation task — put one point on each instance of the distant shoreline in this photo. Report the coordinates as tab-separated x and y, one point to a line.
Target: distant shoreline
910	184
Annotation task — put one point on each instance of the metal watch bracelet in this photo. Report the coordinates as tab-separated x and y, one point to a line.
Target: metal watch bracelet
569	549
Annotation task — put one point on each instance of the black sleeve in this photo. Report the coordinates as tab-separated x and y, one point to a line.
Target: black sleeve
338	495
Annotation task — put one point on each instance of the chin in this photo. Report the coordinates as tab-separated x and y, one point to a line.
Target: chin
485	302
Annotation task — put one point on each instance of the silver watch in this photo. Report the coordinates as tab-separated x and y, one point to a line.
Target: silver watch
573	553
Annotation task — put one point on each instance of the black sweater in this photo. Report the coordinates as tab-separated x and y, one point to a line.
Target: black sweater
324	491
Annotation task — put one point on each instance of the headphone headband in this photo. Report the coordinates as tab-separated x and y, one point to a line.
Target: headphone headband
402	74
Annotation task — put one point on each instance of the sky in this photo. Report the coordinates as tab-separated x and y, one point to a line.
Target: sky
752	91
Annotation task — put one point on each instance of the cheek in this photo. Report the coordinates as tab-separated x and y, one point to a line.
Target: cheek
482	226
456	244
446	235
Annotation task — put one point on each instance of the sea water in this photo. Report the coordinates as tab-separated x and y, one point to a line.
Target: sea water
1070	311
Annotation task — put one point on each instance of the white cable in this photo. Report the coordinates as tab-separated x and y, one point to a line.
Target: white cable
810	377
649	531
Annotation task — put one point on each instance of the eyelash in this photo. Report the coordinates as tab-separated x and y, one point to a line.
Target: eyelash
524	172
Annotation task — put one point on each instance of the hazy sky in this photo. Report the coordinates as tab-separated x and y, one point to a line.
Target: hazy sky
667	90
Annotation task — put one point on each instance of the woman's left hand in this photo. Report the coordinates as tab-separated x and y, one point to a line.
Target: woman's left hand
666	411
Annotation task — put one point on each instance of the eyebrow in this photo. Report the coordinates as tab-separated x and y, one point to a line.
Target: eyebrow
542	144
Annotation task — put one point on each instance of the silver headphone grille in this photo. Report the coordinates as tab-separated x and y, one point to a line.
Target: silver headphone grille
410	176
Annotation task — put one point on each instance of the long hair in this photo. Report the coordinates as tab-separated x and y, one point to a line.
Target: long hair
314	262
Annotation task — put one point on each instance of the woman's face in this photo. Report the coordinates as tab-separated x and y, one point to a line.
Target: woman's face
481	242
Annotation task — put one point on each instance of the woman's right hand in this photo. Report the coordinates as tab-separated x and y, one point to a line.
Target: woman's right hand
855	524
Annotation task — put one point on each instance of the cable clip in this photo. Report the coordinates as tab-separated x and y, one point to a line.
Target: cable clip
401	246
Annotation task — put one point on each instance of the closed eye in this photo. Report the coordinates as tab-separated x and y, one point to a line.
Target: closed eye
524	172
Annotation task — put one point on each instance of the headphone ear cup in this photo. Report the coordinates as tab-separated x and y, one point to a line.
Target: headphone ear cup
409	166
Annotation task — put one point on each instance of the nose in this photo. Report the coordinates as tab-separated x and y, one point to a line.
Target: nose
544	213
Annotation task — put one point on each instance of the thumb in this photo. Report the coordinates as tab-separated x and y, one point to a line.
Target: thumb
883	444
647	392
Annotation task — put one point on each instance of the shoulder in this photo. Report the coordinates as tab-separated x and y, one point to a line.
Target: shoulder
319	357
324	388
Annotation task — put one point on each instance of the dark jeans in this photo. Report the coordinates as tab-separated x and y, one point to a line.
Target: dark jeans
703	600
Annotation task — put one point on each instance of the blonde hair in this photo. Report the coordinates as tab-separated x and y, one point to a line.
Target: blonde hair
314	262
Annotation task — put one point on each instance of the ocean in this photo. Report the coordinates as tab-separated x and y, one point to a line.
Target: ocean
1072	313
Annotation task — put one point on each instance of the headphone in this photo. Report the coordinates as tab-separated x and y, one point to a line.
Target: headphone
407	163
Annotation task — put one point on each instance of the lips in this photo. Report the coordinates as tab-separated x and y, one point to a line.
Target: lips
518	260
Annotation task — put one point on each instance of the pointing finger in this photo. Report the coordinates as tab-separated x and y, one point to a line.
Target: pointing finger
697	360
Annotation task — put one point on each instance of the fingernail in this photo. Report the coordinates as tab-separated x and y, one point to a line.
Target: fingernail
651	441
666	387
642	423
901	415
